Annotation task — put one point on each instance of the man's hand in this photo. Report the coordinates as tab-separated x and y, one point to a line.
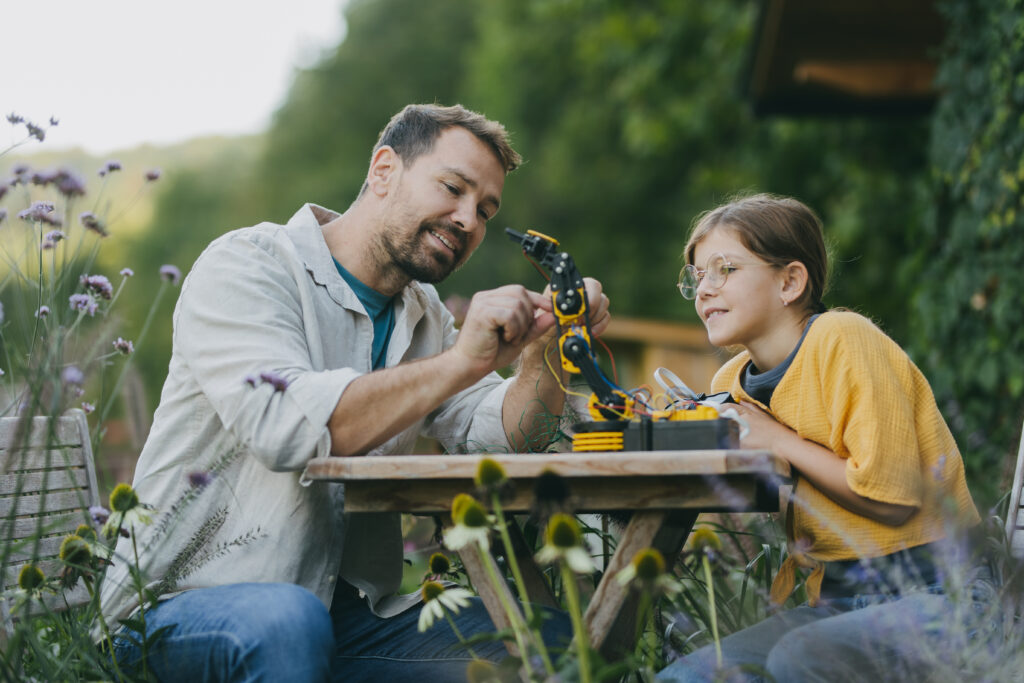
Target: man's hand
536	393
500	323
598	315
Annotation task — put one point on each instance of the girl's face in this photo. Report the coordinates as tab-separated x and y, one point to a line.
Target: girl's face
746	307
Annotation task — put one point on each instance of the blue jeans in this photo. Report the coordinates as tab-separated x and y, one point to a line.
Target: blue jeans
281	632
863	638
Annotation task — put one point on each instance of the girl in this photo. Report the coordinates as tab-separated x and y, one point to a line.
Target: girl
877	473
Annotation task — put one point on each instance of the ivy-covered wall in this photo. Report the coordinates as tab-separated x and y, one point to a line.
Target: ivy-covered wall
969	306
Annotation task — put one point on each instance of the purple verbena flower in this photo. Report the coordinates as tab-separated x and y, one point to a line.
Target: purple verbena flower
51	238
99	514
275	380
251	380
170	273
98	284
14	119
88	407
152	175
91	221
69	183
83	302
109	167
39	212
72	375
35	131
199	479
124	346
20	169
54	120
43	312
43	178
127	272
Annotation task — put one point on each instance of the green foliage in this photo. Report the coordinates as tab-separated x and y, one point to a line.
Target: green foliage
395	52
969	324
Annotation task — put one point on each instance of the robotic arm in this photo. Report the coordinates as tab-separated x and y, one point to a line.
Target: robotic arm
572	310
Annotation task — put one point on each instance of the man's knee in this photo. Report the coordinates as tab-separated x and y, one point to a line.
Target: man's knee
285	614
251	632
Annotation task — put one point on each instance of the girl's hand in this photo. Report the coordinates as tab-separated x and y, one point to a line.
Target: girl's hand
766	432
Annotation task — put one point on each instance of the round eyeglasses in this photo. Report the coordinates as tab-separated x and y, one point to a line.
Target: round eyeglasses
717	271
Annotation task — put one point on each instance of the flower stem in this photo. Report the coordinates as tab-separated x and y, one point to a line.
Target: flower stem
142	606
520	583
572	597
510	611
124	368
105	629
642	617
714	614
458	633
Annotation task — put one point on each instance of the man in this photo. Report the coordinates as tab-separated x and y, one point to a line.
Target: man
359	356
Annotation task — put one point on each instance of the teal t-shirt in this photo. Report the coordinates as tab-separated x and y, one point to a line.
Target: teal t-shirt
380	308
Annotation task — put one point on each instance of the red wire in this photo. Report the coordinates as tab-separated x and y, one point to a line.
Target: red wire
539	269
615	373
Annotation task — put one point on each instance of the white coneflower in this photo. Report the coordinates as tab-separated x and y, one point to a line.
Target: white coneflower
437	599
472	524
563	541
647	573
126	511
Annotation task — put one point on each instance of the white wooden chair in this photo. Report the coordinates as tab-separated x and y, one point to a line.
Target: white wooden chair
47	484
1015	513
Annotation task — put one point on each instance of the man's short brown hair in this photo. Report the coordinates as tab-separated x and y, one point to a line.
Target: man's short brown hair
412	132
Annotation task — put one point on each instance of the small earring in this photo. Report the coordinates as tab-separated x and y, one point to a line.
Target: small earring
785	303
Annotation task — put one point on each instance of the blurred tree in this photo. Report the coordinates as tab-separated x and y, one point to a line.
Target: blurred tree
395	52
632	121
968	323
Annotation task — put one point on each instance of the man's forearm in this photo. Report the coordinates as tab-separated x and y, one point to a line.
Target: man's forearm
378	405
534	401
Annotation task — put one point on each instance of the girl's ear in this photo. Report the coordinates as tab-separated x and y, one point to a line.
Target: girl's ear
794	282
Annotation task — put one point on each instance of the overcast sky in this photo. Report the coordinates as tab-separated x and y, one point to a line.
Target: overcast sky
118	73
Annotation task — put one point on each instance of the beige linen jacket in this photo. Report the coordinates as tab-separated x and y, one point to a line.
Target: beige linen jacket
269	298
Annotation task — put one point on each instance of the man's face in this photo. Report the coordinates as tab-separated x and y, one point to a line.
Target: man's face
440	206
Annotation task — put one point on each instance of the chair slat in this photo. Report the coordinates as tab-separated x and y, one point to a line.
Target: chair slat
44	525
39	459
14	433
52	501
26	551
43	480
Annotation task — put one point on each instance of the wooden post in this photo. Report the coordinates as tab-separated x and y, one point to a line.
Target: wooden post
611	616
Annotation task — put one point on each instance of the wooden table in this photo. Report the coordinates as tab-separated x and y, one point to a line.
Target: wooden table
665	490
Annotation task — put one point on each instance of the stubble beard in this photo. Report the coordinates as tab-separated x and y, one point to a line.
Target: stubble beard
408	255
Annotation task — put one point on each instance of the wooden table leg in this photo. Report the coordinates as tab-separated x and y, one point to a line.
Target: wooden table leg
491	595
611	617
